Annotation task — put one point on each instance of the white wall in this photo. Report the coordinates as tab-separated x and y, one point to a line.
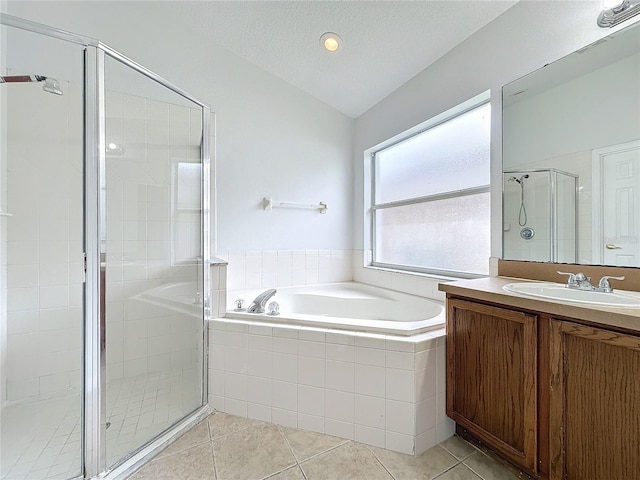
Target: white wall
575	116
526	37
272	139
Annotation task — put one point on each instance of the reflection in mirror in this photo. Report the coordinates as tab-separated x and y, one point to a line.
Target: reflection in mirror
571	153
540	215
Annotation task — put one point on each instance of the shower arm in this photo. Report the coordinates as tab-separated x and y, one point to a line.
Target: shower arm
51	85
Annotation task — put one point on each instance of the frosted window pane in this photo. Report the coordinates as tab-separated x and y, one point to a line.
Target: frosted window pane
189	181
451	156
451	234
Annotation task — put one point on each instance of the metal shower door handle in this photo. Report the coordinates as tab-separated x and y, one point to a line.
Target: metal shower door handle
611	246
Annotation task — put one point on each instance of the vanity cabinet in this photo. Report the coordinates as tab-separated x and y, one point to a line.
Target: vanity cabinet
594	403
492	377
554	394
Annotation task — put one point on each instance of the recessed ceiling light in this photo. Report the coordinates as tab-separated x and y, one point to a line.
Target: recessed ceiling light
331	41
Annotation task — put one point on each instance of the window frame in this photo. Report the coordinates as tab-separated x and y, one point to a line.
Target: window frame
461	109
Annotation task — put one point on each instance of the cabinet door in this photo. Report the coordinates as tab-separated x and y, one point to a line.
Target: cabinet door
492	375
595	403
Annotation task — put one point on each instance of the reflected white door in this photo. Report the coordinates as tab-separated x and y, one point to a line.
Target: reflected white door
620	200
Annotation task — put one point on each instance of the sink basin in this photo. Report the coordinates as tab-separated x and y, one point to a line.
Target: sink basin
557	291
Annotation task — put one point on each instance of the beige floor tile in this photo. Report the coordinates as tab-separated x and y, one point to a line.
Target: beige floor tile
488	468
252	453
351	461
293	473
427	466
458	447
307	444
459	472
195	463
221	424
198	435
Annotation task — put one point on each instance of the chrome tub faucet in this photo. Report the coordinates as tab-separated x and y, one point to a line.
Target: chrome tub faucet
257	306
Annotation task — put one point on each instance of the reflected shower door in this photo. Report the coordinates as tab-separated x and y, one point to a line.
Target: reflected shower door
41	256
152	235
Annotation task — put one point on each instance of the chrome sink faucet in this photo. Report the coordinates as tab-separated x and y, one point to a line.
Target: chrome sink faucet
580	281
257	306
605	286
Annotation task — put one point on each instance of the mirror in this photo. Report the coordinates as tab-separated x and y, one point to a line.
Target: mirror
571	157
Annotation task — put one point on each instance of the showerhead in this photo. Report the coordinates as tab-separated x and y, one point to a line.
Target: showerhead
51	85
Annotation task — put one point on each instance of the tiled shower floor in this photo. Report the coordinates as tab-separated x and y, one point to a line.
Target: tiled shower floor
41	440
225	447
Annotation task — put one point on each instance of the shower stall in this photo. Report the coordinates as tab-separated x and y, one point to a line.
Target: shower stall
540	215
104	236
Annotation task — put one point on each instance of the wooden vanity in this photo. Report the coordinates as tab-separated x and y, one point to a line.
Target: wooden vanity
551	387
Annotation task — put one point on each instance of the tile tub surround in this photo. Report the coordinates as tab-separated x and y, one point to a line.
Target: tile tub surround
227	447
381	390
285	268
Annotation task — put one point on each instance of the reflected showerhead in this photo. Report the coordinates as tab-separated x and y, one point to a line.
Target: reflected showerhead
51	85
518	180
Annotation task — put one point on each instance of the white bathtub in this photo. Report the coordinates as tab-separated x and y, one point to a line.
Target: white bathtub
347	306
183	297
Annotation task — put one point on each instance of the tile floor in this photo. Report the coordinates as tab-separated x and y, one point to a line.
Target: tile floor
226	447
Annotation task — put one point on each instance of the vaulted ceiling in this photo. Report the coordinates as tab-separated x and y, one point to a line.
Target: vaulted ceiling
385	43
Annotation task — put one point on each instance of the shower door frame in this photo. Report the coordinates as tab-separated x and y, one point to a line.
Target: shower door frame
94	386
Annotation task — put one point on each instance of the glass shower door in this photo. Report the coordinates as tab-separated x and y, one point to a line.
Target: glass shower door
41	256
152	235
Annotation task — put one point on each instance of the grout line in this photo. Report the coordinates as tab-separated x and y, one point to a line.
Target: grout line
293	454
314	455
304	475
454	455
327	450
215	463
206	419
380	461
459	462
213	460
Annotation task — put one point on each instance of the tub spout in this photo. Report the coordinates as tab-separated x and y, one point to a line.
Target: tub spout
257	306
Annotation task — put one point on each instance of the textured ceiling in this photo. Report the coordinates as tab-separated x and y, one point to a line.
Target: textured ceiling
385	43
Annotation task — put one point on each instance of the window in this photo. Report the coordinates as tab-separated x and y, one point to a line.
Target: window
430	197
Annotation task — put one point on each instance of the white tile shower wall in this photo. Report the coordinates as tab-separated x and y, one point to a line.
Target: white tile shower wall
380	390
43	243
148	234
284	268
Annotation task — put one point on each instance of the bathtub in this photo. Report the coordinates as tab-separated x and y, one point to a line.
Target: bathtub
183	297
346	359
346	306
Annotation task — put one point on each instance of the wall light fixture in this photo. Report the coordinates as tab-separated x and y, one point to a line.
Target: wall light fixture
617	11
